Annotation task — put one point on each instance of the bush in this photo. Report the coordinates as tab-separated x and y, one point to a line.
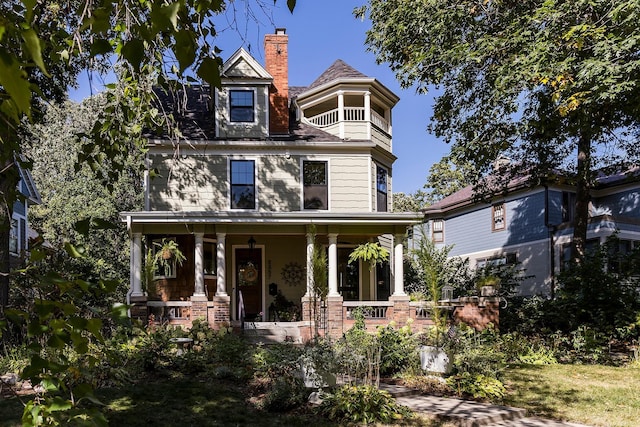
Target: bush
478	386
478	352
399	349
285	393
362	404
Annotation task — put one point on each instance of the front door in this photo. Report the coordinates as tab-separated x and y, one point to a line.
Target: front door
249	281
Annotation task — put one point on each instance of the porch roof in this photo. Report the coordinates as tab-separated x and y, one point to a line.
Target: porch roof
238	221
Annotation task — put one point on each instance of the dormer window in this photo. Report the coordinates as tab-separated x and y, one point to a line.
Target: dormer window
241	106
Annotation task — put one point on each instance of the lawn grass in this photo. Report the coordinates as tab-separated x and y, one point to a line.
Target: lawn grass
191	401
589	394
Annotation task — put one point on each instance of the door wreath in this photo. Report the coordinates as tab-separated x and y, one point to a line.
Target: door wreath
250	273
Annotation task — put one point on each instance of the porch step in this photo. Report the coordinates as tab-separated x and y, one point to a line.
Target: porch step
272	332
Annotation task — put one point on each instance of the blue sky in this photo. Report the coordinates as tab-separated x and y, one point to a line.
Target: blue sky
319	33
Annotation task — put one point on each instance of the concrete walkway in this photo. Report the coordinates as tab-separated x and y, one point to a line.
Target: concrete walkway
468	413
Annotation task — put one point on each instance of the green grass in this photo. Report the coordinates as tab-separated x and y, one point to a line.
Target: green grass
187	401
590	394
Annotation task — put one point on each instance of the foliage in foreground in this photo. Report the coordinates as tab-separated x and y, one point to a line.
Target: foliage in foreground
363	404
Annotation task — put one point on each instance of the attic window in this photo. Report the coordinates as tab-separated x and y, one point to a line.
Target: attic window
498	222
241	106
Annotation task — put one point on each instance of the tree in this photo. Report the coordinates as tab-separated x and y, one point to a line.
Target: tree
45	44
70	195
552	85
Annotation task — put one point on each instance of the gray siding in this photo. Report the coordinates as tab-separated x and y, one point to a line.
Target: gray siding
472	231
626	203
257	129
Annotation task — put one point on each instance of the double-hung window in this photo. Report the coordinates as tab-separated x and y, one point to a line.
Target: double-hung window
243	184
241	106
437	230
498	217
381	189
315	191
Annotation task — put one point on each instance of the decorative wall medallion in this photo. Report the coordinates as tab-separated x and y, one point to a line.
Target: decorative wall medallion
293	274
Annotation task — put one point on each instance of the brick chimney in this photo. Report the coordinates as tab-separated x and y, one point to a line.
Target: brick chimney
276	62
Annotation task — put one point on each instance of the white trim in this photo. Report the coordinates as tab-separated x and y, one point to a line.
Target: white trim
256	183
242	54
301	161
253	89
371	164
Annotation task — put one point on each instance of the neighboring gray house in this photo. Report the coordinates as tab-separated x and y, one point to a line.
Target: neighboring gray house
533	226
20	231
261	168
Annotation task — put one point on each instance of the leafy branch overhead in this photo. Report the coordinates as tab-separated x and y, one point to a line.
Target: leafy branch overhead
551	85
370	252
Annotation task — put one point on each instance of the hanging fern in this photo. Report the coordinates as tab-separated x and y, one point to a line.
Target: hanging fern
370	252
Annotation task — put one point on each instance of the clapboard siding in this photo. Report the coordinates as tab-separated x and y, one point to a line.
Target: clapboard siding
192	183
472	231
279	184
349	184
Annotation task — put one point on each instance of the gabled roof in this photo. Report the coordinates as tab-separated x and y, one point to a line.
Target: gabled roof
467	196
32	191
338	70
241	64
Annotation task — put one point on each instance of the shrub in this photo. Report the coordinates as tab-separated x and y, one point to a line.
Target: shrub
362	404
399	349
477	385
285	393
478	352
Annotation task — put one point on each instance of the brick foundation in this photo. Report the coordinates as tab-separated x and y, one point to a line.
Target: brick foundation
139	310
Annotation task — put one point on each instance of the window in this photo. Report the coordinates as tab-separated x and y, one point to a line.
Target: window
241	105
381	189
243	188
568	206
437	230
14	240
314	185
498	222
497	261
209	253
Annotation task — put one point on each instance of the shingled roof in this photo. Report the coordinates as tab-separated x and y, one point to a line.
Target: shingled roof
338	70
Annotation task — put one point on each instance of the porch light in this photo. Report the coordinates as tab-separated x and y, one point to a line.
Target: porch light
251	242
447	293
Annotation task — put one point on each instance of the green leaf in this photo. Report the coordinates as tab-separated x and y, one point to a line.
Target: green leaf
14	81
74	251
101	47
209	71
33	46
133	52
82	226
185	48
60	404
291	4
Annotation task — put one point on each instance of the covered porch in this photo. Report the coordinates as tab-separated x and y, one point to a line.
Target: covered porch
246	265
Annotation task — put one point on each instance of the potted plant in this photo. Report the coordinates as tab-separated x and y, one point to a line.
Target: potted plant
434	354
488	285
167	254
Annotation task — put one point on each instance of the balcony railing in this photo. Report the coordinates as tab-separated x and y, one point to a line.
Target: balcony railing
351	114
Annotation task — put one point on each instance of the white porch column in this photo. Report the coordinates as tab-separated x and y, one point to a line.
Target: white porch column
398	268
136	265
221	285
199	265
333	265
367	112
309	265
341	113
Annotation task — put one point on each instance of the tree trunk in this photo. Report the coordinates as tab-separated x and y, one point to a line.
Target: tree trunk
583	185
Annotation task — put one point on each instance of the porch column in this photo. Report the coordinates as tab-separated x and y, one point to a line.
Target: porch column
367	112
333	265
221	286
341	113
199	265
136	265
398	268
309	266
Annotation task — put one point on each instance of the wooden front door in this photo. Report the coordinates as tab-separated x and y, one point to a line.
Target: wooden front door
249	281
